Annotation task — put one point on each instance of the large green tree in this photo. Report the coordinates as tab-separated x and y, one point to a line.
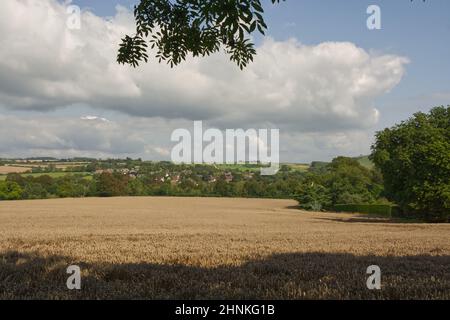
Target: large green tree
414	157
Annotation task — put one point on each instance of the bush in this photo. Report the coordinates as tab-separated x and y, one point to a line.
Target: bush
313	197
397	212
10	191
384	210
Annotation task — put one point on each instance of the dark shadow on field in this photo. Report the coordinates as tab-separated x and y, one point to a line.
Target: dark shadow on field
296	207
280	276
364	218
357	218
369	219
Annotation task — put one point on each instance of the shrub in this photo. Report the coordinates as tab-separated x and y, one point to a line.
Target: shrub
384	210
10	191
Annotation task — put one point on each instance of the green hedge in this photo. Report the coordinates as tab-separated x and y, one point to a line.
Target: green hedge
384	210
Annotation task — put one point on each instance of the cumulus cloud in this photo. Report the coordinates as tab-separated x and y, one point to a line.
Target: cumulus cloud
305	90
148	138
92	136
94	118
45	65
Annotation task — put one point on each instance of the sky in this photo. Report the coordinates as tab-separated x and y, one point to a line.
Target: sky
321	77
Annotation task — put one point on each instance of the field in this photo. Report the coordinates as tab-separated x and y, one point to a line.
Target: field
302	167
87	175
256	168
57	165
159	248
365	162
14	169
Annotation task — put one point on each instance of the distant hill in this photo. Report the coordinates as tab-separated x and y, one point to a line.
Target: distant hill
41	159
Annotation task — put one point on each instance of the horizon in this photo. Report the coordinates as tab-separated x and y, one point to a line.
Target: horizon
53	159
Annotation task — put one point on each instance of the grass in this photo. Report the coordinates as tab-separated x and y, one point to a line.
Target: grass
239	167
257	167
193	248
299	166
365	162
87	175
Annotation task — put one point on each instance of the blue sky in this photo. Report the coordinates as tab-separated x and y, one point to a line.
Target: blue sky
328	91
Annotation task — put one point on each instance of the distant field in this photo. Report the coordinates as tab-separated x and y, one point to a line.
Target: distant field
256	168
87	175
365	161
58	165
159	248
13	169
299	166
238	167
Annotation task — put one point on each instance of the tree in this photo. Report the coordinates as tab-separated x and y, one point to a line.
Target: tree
199	27
343	181
223	188
351	183
10	191
71	187
136	187
34	191
47	182
313	196
111	185
17	178
414	158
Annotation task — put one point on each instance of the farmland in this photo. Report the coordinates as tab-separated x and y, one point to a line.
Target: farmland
58	174
160	248
14	169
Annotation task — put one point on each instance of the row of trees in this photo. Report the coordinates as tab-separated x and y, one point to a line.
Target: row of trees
107	184
16	187
340	182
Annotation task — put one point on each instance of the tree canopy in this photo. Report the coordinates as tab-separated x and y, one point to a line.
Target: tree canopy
176	28
414	158
343	181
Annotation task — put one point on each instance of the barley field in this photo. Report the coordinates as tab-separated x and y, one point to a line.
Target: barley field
213	248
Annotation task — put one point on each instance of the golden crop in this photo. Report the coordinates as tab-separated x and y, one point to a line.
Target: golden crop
193	248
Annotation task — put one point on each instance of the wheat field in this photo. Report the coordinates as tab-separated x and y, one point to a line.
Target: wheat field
14	169
213	248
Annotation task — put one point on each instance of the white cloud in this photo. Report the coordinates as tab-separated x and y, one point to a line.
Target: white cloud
162	151
146	138
307	90
94	118
68	136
